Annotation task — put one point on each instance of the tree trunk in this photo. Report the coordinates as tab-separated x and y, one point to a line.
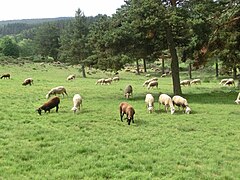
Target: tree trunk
137	66
174	63
144	65
83	71
217	74
190	70
163	65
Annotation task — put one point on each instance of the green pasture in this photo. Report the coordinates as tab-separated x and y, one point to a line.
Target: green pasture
95	144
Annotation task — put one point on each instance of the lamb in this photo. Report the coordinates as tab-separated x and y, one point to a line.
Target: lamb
27	81
229	82
127	109
116	78
57	90
152	84
223	81
5	76
238	99
149	100
128	91
54	102
180	101
77	102
195	81
100	81
185	82
71	77
166	100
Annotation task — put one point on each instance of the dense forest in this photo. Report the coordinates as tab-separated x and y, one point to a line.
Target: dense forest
197	33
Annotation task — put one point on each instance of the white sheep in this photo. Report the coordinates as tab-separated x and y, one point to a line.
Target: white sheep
107	81
57	90
152	84
71	77
116	78
166	100
149	80
181	102
229	82
185	82
238	99
223	81
149	100
77	102
195	81
100	81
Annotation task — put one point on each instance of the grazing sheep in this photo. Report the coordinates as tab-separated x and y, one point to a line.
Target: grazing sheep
54	102
149	100
229	82
185	82
149	80
181	102
128	91
223	81
56	90
152	84
5	76
116	78
107	81
164	75
195	81
127	109
166	100
238	99
77	102
100	81
27	81
71	77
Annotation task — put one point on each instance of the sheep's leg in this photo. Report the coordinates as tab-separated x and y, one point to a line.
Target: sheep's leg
56	108
121	116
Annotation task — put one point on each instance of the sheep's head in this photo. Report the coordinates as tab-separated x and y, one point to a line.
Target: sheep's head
39	110
74	109
172	110
150	108
188	110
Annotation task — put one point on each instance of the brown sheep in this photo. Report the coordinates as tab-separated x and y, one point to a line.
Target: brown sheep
127	109
5	76
54	102
27	81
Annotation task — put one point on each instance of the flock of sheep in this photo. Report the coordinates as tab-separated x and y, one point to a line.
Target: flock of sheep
124	107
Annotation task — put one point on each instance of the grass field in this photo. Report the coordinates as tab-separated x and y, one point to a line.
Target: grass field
95	144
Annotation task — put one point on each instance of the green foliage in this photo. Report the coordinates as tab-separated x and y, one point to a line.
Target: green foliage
95	144
9	47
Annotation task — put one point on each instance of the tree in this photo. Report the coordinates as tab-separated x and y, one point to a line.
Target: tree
9	47
47	40
74	41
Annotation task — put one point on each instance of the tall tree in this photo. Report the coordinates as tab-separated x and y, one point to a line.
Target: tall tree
9	47
74	41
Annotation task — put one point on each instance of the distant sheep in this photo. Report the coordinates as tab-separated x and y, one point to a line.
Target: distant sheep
149	100
116	78
166	100
54	102
5	76
27	81
229	82
149	80
181	102
57	90
71	77
107	81
238	99
223	81
195	81
127	109
100	81
128	91
152	84
77	102
185	82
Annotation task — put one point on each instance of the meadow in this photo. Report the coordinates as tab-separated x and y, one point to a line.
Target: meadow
95	144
